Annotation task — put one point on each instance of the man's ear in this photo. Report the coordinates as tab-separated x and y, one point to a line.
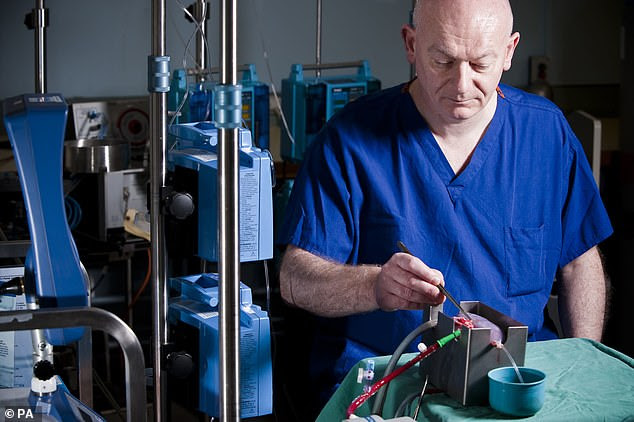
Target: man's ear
510	49
408	33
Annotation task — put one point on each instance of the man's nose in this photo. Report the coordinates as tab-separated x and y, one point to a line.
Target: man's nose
462	77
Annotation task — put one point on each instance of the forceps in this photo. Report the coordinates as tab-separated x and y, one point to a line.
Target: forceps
444	291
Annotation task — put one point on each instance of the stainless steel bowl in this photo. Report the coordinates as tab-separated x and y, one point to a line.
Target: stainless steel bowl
96	155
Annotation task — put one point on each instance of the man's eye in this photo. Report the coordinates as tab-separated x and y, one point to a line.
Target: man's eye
443	62
480	66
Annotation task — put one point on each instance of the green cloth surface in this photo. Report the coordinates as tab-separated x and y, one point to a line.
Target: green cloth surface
585	381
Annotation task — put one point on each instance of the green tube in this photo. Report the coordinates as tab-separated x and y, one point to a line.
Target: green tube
446	339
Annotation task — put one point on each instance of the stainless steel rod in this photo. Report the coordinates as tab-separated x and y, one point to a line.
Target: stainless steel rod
412	68
212	70
309	66
337	65
228	233
158	139
318	41
200	14
39	22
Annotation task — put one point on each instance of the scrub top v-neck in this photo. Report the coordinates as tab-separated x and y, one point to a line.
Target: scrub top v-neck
488	144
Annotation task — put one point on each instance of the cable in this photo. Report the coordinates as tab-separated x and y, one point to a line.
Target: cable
265	54
146	280
400	410
108	395
102	276
187	45
377	409
268	287
73	212
386	379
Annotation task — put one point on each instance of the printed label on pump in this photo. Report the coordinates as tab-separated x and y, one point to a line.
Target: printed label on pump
249	215
15	347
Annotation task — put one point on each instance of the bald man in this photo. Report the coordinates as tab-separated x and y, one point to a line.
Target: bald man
487	186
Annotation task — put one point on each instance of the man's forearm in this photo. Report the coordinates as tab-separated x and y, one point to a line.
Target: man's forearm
582	296
327	288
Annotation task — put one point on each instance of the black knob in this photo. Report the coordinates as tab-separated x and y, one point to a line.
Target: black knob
43	370
14	286
180	364
181	205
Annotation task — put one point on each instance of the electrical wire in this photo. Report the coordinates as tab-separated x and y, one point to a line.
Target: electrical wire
198	28
265	54
386	379
146	280
102	276
377	409
407	401
73	212
107	394
268	287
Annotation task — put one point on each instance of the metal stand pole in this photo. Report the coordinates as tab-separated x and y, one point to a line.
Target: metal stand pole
229	239
318	46
39	22
200	14
412	68
158	138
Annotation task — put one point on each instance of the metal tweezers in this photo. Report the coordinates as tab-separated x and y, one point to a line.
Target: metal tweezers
444	291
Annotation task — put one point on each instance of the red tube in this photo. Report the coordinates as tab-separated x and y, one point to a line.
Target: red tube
376	386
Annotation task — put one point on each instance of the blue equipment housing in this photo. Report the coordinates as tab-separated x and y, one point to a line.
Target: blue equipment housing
194	146
36	124
200	104
308	103
197	306
61	405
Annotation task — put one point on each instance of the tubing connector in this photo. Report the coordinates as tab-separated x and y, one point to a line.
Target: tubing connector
446	339
158	73
228	106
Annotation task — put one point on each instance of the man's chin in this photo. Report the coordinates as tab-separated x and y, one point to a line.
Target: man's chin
461	113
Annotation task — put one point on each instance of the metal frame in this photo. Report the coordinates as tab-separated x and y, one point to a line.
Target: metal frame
99	319
229	228
229	254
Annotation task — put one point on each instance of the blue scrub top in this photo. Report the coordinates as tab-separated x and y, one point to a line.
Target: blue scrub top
525	205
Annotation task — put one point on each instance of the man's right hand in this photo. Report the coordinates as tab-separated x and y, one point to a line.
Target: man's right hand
406	282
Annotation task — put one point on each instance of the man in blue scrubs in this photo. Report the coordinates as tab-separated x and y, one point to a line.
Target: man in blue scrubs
486	185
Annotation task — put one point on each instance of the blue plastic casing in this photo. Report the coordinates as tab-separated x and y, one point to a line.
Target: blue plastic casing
35	124
199	106
194	146
61	406
255	106
193	308
308	103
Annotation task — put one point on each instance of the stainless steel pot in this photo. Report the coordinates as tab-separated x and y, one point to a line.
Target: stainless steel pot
96	155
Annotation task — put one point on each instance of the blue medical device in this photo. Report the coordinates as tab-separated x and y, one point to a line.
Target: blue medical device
35	124
59	405
199	106
308	103
194	146
197	307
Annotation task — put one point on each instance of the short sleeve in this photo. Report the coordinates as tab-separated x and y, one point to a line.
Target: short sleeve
318	217
585	221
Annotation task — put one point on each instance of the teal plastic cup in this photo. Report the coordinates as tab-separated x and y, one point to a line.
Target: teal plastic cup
509	396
